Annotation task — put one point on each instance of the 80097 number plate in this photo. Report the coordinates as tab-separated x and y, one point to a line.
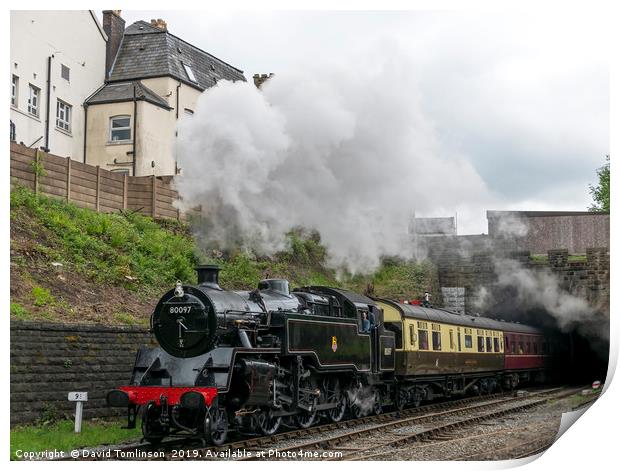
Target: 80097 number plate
180	309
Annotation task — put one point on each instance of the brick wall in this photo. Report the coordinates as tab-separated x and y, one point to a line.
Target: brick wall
49	360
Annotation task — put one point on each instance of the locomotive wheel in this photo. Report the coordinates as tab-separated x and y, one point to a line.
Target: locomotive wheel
337	413
216	426
266	423
401	399
377	408
152	431
305	419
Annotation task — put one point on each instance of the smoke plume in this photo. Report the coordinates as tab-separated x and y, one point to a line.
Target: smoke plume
344	149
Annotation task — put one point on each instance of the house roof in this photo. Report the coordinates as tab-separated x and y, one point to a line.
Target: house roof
124	91
148	51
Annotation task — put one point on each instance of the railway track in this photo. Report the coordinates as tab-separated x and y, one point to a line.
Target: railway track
301	439
363	443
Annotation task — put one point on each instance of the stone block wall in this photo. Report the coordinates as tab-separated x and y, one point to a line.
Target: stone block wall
50	360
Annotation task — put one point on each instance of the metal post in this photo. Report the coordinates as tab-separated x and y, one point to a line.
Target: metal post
79	406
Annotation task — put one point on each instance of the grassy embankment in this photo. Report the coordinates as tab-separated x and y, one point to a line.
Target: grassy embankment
75	265
60	436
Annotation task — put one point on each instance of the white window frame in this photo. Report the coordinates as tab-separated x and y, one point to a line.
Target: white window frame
123	128
63	115
189	72
34	95
14	90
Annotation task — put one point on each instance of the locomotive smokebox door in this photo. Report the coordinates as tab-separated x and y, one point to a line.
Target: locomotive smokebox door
184	322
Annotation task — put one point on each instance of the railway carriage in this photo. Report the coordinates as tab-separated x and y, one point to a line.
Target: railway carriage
440	353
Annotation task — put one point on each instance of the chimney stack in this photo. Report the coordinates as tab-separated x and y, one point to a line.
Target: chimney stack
159	23
114	27
260	79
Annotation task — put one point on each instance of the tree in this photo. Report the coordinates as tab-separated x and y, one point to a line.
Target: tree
600	193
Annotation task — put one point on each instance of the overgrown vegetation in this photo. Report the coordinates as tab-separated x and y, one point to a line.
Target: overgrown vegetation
60	436
600	192
76	265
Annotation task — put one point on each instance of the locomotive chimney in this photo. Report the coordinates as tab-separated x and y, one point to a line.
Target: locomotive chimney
208	275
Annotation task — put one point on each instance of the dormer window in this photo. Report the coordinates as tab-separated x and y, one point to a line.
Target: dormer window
190	73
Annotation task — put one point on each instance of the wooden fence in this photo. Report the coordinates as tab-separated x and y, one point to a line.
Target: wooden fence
92	187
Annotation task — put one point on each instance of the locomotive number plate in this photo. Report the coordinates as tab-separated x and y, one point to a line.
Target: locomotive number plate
180	309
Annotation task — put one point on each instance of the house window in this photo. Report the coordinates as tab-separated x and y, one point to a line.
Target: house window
63	115
65	72
14	89
12	135
190	73
120	128
33	100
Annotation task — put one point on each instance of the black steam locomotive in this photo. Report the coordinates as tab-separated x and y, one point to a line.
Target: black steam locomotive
249	360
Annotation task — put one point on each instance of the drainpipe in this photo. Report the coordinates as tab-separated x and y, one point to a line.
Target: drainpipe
47	112
85	128
135	125
177	107
176	163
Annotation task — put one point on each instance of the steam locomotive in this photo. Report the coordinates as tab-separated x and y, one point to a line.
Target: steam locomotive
250	360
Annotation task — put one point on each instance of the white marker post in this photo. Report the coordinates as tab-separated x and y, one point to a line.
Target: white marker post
79	398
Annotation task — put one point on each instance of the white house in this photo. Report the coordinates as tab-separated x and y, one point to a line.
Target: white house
57	61
153	79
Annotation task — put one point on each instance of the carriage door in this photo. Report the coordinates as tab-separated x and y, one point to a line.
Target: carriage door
452	361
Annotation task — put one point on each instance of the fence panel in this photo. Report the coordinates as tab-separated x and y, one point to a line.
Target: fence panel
92	187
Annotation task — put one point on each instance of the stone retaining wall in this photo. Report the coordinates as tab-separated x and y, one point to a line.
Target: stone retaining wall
49	360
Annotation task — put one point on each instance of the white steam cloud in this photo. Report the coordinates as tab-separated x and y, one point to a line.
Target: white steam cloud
345	149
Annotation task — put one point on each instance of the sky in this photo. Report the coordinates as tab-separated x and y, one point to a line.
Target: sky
523	97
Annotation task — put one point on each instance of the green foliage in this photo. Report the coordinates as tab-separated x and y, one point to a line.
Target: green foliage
600	192
42	297
18	311
398	279
128	319
60	436
130	250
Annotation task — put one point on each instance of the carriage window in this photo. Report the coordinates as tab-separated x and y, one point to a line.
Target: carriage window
527	347
468	342
507	343
496	345
521	347
535	345
412	334
489	345
481	344
436	340
423	338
